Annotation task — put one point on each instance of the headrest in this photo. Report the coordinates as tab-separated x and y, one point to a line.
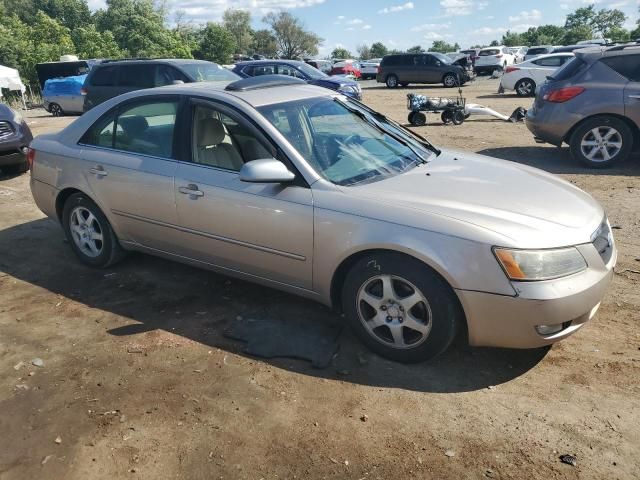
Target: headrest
210	131
133	125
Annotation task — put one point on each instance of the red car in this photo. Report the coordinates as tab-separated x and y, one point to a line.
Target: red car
346	68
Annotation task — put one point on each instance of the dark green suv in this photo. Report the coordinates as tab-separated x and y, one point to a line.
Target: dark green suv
406	68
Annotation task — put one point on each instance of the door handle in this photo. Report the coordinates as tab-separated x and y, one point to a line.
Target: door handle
191	189
98	171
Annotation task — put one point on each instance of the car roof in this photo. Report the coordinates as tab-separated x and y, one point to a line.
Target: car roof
277	61
593	53
134	61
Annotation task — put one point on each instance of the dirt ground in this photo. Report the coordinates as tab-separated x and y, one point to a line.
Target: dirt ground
139	382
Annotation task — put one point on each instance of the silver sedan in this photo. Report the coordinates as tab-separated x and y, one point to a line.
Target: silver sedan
302	189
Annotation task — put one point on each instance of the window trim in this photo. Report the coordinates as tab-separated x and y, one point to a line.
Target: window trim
116	110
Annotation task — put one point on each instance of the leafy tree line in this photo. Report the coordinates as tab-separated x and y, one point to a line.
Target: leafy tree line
35	31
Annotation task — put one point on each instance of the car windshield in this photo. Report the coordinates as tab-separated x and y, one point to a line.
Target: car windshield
311	71
345	141
209	72
442	57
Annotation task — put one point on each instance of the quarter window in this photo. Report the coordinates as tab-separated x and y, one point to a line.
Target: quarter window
550	61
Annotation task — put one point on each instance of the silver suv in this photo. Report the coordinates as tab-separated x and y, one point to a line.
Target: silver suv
300	188
592	103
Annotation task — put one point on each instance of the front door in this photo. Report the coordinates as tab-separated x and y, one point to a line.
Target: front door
130	164
265	230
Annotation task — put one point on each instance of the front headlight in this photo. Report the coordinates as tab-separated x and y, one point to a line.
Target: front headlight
347	89
530	265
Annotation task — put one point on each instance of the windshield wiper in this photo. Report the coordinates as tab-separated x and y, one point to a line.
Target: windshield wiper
377	125
384	118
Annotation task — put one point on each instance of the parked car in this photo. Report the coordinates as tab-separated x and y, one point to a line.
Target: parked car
369	68
525	77
593	104
62	96
403	69
346	68
305	190
112	78
472	53
519	53
570	48
494	58
533	52
300	70
15	136
323	65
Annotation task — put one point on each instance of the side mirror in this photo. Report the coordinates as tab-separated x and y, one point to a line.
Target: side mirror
268	170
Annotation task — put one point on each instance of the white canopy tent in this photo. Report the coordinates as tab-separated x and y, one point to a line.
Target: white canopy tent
10	79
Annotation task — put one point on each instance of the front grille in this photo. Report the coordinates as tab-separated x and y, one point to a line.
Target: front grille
6	130
602	240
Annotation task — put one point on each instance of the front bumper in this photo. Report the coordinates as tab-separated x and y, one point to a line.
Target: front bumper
12	157
510	322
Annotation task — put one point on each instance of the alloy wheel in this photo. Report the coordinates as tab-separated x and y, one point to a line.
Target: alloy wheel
56	111
86	232
601	144
525	88
394	311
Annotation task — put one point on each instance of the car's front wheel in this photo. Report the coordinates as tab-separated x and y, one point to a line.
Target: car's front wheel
392	81
89	232
400	308
526	87
450	80
601	141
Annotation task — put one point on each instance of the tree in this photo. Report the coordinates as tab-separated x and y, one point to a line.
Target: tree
341	52
512	39
69	13
444	47
578	34
494	43
602	22
635	34
364	52
291	37
416	49
90	43
264	43
218	44
378	50
238	22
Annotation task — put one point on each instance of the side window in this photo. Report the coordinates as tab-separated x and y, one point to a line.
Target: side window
104	76
221	141
626	65
550	62
137	76
289	70
101	133
167	75
147	128
263	70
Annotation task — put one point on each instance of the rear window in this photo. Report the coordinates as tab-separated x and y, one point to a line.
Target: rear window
569	69
537	51
488	53
626	65
468	52
104	76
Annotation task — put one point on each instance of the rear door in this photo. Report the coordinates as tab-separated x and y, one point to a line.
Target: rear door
629	67
129	162
102	85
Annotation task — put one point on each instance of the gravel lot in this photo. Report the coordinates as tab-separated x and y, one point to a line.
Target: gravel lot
138	381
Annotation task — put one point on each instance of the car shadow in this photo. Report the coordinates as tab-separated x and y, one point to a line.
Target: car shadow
559	160
408	88
157	294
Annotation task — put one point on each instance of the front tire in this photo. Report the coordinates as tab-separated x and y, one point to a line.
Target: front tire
392	81
526	88
450	80
89	233
601	141
400	308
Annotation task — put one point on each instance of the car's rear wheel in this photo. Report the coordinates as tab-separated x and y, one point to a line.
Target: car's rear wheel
400	308
56	110
89	233
526	87
392	81
450	80
601	141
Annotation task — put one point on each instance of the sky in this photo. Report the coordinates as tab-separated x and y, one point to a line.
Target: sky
401	24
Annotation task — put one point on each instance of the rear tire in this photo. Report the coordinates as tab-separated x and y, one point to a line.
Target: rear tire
458	117
601	141
419	119
525	88
56	110
89	233
391	81
400	308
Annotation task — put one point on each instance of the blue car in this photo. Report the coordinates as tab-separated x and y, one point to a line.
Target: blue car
300	70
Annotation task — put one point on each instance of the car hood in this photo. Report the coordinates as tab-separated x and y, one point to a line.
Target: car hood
525	207
334	81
